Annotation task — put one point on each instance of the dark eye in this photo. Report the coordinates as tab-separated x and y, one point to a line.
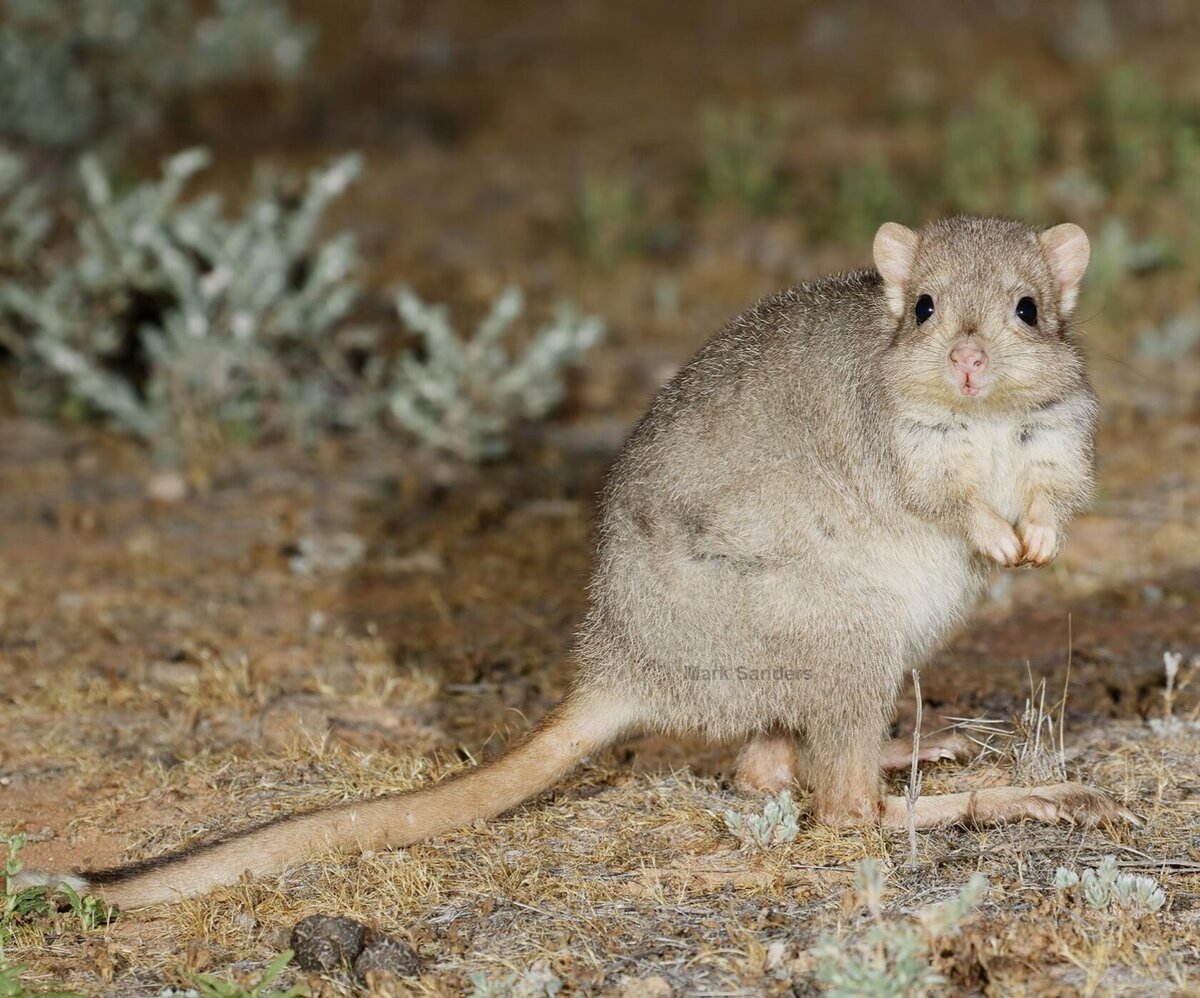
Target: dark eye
1027	311
924	308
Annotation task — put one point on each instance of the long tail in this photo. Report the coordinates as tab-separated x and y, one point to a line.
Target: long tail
574	729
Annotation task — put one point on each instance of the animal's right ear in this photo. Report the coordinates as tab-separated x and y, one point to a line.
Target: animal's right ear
1067	250
895	249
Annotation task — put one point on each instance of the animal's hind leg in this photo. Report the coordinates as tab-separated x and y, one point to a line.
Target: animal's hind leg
846	791
897	754
844	767
768	763
1057	802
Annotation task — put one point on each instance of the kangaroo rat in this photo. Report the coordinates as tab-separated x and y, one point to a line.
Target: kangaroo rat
805	510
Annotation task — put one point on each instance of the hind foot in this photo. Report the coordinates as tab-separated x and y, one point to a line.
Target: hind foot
897	754
767	764
1057	802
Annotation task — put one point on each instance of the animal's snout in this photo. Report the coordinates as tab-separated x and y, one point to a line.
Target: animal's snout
969	358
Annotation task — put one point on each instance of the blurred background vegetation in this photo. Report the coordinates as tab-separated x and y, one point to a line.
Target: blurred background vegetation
220	219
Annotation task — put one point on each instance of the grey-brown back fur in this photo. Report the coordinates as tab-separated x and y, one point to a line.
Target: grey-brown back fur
762	515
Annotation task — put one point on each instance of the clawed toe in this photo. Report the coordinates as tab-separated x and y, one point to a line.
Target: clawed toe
1074	803
947	746
1039	544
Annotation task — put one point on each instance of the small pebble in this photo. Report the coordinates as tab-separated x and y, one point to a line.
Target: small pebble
327	555
167	487
387	955
326	942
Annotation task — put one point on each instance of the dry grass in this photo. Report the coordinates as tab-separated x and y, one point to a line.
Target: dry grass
165	676
127	737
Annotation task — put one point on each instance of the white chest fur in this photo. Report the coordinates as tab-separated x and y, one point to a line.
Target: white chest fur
999	458
1001	451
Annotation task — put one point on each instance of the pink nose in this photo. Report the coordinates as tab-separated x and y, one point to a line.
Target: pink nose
968	358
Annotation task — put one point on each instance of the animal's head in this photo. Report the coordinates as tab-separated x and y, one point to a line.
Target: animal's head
981	309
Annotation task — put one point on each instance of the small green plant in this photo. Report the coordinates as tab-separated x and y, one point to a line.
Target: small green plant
868	194
777	825
608	222
536	982
891	958
463	396
1131	121
1105	888
993	148
19	904
25	221
744	151
91	912
27	903
10	981
210	986
11	985
74	71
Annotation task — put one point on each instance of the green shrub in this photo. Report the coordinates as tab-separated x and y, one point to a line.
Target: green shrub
1118	256
992	150
1185	183
183	324
464	396
743	151
176	321
25	220
868	194
891	958
76	71
608	220
1131	121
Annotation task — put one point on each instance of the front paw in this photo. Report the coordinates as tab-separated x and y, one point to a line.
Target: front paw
995	539
1039	543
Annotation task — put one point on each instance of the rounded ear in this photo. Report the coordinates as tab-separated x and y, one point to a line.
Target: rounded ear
894	251
1067	251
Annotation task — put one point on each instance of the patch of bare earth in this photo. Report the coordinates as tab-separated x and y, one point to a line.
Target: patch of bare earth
170	673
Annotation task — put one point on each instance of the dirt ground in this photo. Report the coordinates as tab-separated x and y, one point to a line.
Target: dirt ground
174	670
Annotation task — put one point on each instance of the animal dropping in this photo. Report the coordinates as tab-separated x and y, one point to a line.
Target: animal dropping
805	511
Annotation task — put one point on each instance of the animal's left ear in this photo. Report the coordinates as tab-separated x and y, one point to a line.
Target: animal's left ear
1067	251
894	251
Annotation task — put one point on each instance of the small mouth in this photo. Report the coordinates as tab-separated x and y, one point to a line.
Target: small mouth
971	387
